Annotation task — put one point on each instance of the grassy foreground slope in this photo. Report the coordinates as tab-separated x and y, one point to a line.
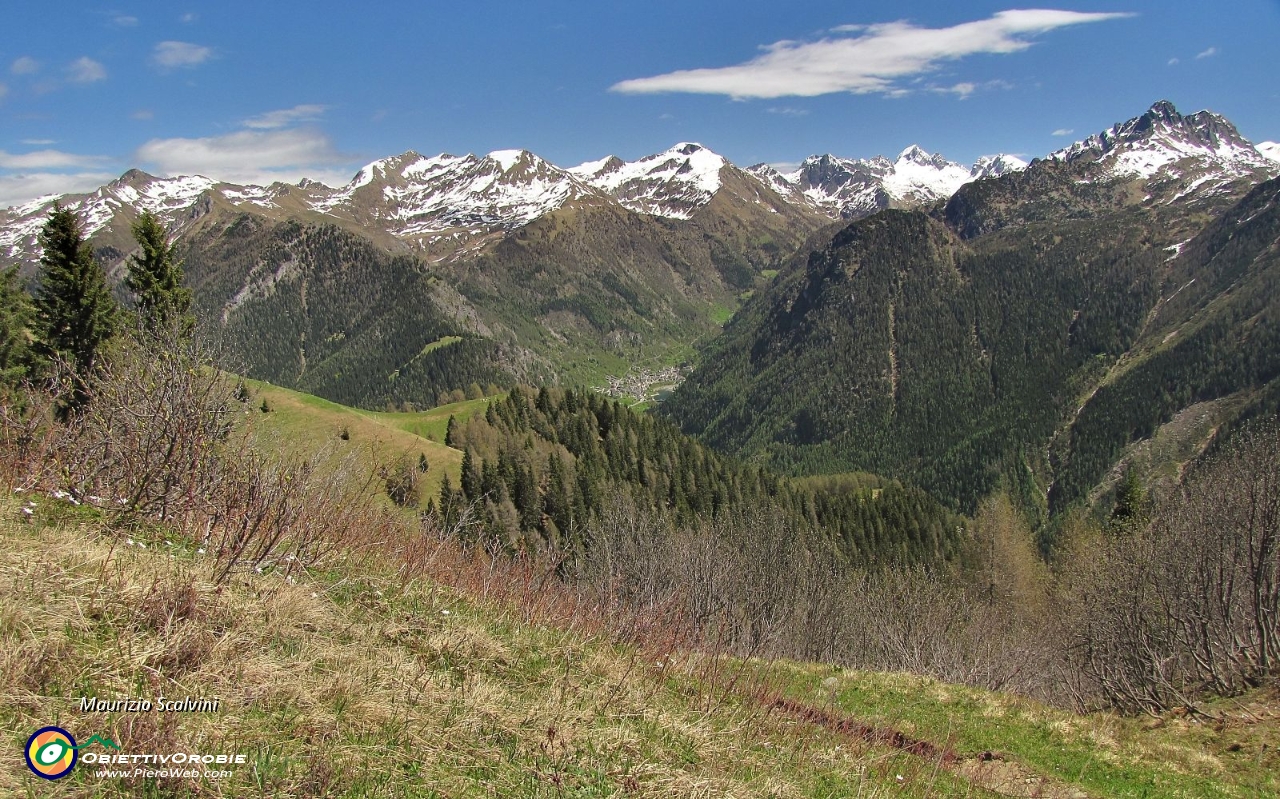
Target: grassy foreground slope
462	678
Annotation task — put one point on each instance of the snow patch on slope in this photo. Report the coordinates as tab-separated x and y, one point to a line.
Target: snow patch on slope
671	184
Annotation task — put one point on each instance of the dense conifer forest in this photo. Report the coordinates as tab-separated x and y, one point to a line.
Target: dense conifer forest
539	465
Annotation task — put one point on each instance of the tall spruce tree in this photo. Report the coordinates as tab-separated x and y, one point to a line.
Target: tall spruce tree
155	277
75	311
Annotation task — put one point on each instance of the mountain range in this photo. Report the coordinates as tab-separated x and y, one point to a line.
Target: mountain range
452	207
957	326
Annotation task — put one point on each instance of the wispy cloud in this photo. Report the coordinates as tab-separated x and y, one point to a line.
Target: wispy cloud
27	186
143	114
48	159
1209	53
24	65
1063	132
125	21
43	172
283	118
1173	61
188	18
86	70
250	156
873	59
3	90
172	55
39	142
961	90
788	112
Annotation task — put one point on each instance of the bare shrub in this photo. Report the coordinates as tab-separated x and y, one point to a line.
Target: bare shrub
1190	603
156	442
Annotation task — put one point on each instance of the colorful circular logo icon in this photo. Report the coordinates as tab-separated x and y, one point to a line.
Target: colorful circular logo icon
51	752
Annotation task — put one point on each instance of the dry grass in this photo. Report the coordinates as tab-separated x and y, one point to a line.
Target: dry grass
371	681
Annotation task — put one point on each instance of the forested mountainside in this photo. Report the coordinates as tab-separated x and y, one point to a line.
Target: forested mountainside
1024	335
323	310
572	296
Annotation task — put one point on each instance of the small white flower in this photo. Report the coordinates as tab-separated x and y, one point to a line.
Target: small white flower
444	612
314	594
28	511
141	545
200	551
129	541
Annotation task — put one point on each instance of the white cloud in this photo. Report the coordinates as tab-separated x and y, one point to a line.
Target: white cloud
171	55
17	189
143	114
961	90
39	142
1063	132
48	159
1212	51
273	120
789	112
86	70
785	167
3	90
250	156
125	21
1173	61
24	65
872	61
188	18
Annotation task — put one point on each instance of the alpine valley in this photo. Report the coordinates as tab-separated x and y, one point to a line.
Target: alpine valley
1038	326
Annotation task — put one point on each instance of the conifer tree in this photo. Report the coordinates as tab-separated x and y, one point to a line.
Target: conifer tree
15	316
155	277
75	311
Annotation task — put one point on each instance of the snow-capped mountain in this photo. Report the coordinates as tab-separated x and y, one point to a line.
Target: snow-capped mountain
852	188
442	202
1201	152
671	184
171	199
993	166
414	197
1270	149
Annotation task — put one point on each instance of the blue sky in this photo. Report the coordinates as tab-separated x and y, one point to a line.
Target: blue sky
255	91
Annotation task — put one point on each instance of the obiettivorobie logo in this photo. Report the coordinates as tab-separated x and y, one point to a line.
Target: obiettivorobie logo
52	751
